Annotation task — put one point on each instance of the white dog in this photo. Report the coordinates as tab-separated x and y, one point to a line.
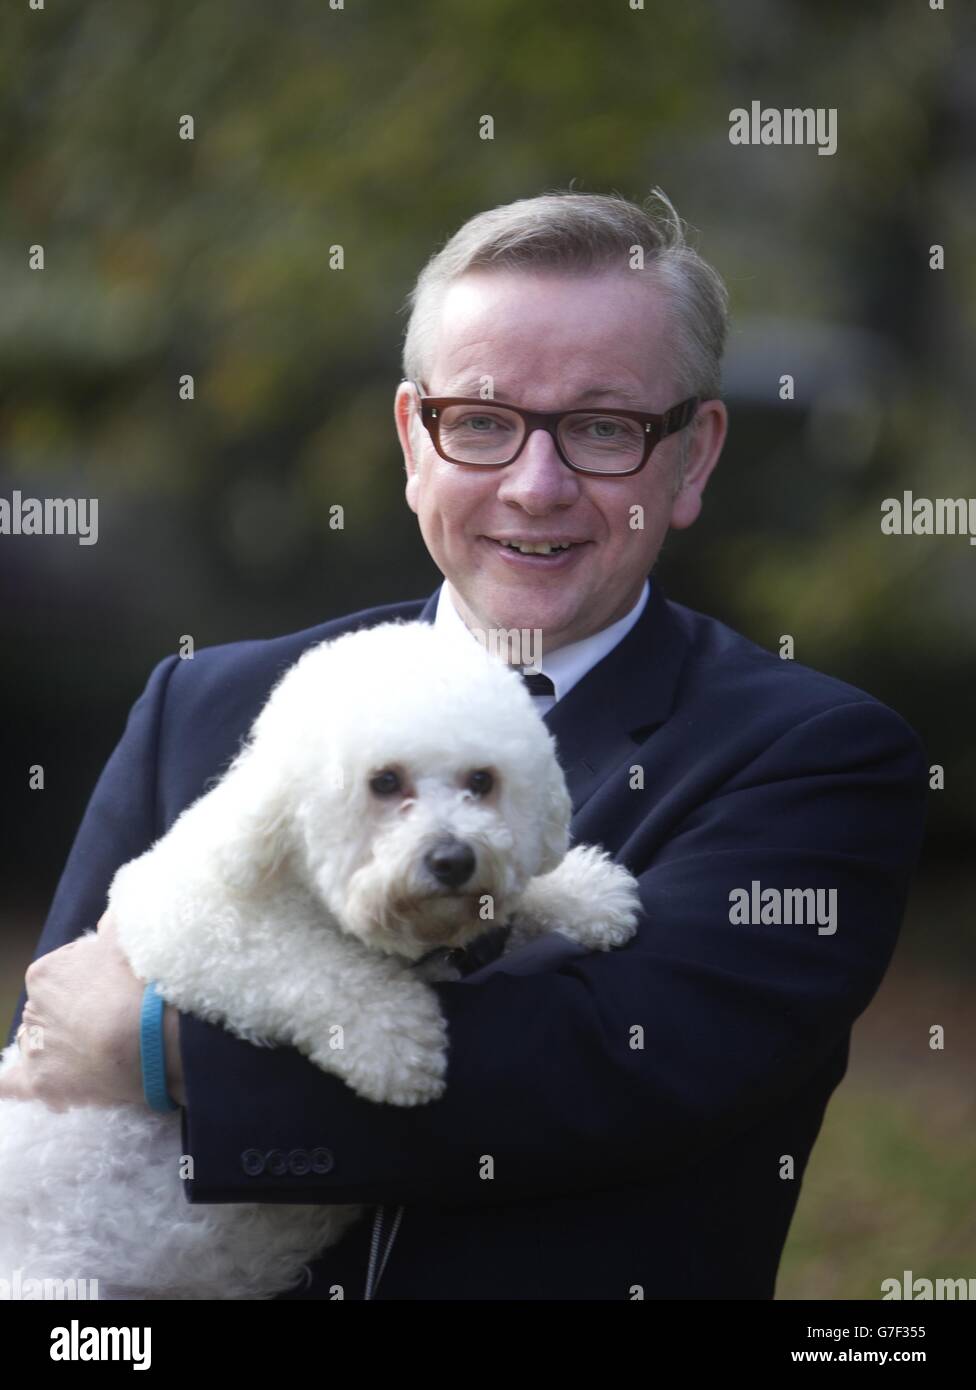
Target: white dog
397	793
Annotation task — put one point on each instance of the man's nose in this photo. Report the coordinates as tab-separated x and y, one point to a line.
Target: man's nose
538	480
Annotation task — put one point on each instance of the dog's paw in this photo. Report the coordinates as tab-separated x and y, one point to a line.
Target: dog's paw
587	897
609	895
394	1053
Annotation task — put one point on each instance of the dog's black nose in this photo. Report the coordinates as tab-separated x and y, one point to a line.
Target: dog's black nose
451	862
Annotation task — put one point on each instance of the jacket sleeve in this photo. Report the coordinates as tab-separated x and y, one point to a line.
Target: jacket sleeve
613	1067
120	822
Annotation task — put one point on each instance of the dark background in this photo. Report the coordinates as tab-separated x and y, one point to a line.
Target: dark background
360	127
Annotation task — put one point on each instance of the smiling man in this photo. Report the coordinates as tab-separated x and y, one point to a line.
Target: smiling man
615	1126
550	340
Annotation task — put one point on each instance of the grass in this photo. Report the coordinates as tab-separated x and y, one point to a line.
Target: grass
890	1184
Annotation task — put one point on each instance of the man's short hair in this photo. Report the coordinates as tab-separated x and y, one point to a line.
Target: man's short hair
584	233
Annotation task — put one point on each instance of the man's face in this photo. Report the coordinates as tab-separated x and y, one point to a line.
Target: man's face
551	341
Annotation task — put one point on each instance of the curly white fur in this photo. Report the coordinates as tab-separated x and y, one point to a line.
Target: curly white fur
290	904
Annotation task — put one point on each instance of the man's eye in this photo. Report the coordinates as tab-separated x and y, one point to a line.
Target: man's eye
482	424
603	429
481	782
385	783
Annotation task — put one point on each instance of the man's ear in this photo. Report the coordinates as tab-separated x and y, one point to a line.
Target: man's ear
708	432
406	414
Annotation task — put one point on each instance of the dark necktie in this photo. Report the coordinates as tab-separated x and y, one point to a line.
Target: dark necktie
537	684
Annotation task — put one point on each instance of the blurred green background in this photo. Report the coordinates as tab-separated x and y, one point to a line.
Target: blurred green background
359	127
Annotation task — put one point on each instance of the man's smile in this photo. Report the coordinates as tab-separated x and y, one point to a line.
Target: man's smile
544	553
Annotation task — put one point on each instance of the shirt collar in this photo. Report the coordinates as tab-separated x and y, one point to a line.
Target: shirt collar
568	665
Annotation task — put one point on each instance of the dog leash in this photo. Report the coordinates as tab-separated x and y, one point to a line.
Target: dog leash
374	1274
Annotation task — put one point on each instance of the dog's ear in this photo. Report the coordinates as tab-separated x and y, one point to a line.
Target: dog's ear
253	822
262	790
556	808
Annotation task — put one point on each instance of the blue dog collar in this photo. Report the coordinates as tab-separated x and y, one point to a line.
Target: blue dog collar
152	1051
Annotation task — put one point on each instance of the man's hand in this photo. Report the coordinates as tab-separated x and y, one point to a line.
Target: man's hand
79	1038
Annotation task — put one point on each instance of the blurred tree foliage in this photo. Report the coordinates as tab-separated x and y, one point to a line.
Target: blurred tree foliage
359	127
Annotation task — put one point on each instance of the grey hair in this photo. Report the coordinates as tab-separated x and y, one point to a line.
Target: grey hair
584	233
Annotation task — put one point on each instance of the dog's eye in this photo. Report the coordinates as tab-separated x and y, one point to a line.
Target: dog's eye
385	783
481	782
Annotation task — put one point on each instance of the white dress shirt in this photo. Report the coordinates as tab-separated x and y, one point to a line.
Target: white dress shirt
566	666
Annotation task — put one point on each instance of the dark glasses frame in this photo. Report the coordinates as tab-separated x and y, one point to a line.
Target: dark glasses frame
656	427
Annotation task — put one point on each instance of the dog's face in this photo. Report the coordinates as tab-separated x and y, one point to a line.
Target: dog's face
435	852
428	794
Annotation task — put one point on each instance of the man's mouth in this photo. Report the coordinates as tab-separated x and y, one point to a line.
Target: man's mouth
543	551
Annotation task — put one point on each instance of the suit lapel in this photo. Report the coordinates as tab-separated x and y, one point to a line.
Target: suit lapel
620	700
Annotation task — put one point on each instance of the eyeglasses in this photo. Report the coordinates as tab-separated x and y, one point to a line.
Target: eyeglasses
489	434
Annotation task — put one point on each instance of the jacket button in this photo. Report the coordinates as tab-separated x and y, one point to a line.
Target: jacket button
299	1162
252	1161
275	1162
322	1161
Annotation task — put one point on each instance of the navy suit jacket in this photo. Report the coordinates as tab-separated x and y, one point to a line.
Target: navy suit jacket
639	1106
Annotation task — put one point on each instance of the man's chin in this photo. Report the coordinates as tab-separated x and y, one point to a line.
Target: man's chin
526	607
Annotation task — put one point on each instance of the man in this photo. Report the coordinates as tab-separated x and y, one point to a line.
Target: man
626	1125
